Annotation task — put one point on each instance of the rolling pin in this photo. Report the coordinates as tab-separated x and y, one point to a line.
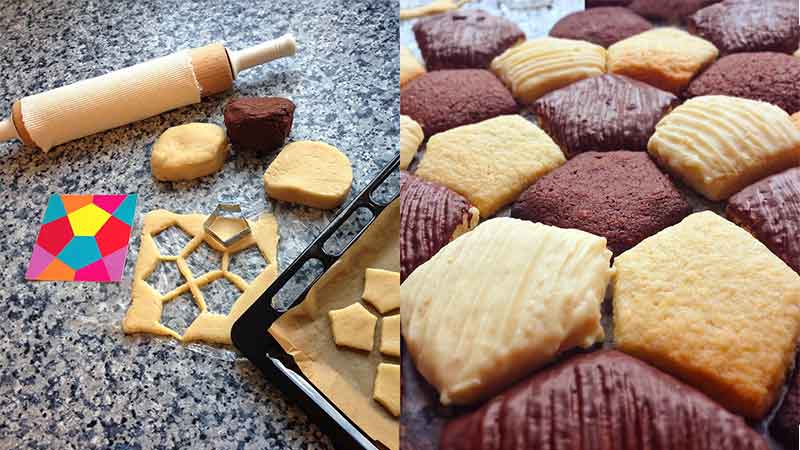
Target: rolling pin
128	95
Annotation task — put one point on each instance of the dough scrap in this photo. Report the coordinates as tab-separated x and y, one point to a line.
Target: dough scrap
382	289
387	387
310	173
189	151
390	335
353	327
411	136
410	67
491	162
719	144
501	301
144	312
706	301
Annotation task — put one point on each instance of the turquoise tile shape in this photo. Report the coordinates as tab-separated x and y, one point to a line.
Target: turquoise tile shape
55	209
125	211
80	252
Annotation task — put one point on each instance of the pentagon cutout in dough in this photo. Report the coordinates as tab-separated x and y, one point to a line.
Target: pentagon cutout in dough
707	302
410	67
666	58
382	289
490	163
500	301
718	144
411	136
390	335
353	327
387	387
536	67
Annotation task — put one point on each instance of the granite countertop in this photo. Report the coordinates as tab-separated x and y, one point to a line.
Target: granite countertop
69	377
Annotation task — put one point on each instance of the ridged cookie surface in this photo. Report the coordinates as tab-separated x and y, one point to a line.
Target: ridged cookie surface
707	302
601	26
411	136
719	144
500	301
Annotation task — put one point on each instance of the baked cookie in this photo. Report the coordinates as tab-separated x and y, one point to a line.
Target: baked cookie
766	76
709	303
490	163
430	216
770	210
609	112
464	39
603	3
786	424
601	26
666	58
607	398
447	99
500	301
411	137
410	68
736	26
669	10
718	144
539	66
621	196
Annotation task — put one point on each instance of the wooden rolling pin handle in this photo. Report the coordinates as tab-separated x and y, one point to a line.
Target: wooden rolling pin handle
7	130
262	53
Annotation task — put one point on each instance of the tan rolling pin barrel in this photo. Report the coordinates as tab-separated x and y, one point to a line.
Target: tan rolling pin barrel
71	112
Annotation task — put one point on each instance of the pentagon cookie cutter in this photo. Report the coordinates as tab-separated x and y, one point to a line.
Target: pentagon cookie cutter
228	208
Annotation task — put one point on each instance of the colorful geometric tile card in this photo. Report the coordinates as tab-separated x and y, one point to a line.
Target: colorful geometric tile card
83	238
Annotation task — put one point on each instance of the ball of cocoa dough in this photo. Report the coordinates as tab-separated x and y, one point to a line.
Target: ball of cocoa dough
259	123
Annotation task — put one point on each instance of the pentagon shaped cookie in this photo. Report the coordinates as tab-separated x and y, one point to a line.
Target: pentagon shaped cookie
490	163
353	327
621	196
431	216
718	144
736	26
707	302
609	112
612	400
410	68
445	99
411	137
382	289
390	335
603	3
669	10
601	26
500	301
539	66
666	58
464	39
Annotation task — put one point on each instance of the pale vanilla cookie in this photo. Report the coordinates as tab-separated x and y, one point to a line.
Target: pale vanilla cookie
707	302
353	327
387	387
536	67
310	173
410	67
411	136
718	144
666	58
501	301
189	151
490	162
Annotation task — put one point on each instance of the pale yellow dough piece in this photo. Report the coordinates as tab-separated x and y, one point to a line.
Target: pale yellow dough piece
719	144
387	387
390	335
382	289
310	173
707	302
501	301
490	162
796	117
189	151
410	67
353	327
434	7
536	67
666	58
411	137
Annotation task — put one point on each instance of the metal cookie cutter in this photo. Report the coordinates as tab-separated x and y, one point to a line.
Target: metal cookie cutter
227	209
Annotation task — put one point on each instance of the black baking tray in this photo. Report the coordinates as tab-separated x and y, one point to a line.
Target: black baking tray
250	336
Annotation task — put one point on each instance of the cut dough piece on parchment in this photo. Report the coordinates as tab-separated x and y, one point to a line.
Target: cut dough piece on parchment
387	387
353	327
189	151
390	335
382	289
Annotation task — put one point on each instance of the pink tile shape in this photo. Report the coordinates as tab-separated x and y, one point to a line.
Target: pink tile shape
39	261
115	263
108	202
95	271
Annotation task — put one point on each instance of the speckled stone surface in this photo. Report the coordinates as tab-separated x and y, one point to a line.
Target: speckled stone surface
69	377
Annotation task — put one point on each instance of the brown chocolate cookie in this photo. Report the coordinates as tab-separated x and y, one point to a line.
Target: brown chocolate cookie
766	76
464	39
621	196
787	420
605	398
770	210
669	10
259	123
602	3
601	26
429	216
736	26
447	99
609	112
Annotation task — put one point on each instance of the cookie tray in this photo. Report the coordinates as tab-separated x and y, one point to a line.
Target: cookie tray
250	336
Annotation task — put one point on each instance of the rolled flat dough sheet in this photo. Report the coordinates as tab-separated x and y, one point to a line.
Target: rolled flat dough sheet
346	377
